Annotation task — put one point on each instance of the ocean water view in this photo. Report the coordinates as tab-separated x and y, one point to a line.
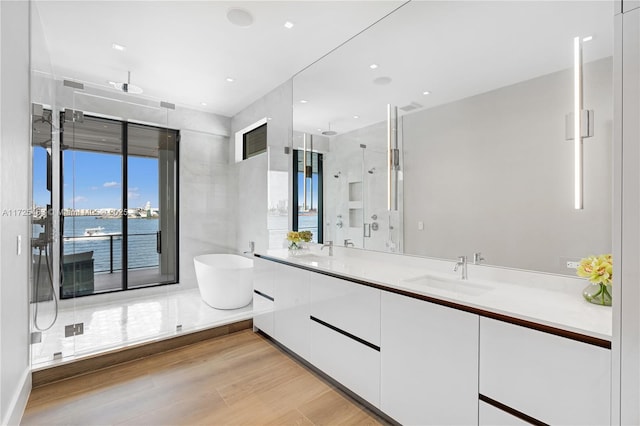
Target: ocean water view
107	239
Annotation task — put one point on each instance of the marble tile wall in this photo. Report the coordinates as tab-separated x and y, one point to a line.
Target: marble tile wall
251	177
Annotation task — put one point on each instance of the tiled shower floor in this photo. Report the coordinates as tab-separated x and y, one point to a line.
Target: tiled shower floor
119	324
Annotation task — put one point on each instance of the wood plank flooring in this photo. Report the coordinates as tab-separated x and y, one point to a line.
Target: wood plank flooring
239	379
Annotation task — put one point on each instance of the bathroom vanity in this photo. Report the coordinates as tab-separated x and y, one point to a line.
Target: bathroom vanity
411	338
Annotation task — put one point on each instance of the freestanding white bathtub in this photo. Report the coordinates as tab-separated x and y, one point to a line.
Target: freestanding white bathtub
225	280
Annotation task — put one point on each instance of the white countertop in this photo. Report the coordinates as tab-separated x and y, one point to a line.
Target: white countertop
546	299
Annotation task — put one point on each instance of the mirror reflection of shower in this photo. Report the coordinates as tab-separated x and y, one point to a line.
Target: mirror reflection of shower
356	212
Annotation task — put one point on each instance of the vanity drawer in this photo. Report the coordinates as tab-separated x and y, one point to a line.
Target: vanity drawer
351	363
553	379
488	415
264	276
351	307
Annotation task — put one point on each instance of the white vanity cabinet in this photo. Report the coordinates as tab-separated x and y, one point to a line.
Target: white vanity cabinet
263	295
291	322
345	334
553	379
429	362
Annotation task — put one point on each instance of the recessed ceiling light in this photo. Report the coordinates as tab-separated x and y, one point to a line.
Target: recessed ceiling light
303	101
288	25
203	103
426	92
229	79
117	46
382	81
373	66
356	116
319	130
239	17
587	38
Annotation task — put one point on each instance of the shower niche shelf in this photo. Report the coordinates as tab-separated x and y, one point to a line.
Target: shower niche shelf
355	191
355	218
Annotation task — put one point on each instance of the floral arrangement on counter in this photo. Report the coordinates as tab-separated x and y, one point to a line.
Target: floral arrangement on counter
599	271
296	238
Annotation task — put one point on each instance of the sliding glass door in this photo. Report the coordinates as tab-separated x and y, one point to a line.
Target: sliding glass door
118	197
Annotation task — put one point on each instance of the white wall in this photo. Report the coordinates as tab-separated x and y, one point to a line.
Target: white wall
207	225
493	173
15	160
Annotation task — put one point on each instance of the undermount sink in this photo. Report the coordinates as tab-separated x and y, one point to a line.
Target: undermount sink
469	288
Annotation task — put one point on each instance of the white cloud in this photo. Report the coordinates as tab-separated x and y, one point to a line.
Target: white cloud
94	188
110	184
132	195
79	199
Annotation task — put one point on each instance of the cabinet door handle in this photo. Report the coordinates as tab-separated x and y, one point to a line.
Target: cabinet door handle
366	230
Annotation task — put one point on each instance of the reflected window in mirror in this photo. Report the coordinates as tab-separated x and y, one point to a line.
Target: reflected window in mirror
307	193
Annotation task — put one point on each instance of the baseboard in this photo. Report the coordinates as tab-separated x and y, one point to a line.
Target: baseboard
19	400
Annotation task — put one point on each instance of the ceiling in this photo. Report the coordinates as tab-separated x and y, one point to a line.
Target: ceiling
452	49
183	51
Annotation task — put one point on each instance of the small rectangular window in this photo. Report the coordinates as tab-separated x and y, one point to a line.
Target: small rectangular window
254	142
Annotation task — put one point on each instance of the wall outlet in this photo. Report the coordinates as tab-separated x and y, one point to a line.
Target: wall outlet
420	225
572	264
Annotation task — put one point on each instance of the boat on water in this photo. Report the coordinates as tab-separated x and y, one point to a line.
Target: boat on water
91	232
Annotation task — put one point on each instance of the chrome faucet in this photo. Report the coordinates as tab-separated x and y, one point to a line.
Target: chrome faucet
462	261
252	247
348	243
477	258
330	245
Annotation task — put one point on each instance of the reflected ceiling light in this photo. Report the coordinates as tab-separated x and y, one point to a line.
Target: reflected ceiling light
382	81
303	101
117	46
203	103
240	17
288	25
426	92
229	80
373	66
587	38
356	116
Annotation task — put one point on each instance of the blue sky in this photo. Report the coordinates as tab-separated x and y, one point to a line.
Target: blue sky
94	180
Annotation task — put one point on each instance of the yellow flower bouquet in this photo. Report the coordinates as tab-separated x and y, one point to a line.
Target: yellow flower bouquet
296	238
599	271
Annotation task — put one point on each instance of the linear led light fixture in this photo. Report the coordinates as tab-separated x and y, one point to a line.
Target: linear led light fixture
579	125
389	156
578	178
304	172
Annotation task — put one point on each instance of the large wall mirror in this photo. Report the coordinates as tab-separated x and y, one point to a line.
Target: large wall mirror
447	129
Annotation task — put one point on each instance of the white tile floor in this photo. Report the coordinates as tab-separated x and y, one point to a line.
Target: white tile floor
119	324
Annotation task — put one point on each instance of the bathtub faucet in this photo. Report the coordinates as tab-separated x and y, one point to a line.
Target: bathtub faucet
330	245
252	247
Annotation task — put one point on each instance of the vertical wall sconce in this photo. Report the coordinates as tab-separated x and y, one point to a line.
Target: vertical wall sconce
389	156
393	158
579	125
